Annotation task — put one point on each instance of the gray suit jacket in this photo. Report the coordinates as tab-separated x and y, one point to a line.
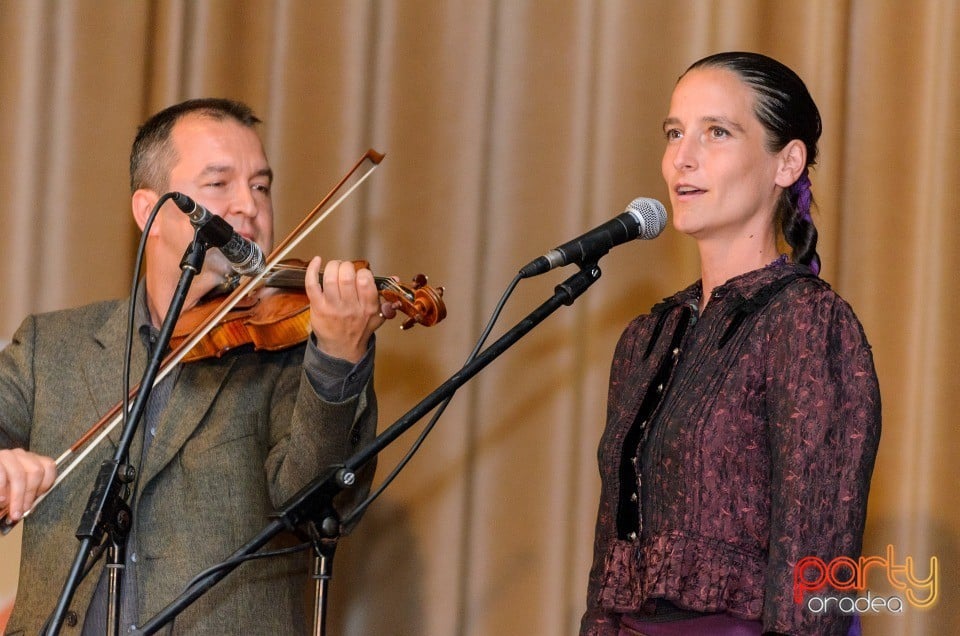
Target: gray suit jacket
238	437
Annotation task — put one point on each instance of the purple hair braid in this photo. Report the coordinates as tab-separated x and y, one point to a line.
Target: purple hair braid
801	192
803	197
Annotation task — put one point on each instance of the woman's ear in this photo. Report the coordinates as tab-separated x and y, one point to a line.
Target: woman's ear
142	204
793	160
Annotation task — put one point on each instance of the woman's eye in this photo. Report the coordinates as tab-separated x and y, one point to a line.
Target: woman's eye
672	134
718	133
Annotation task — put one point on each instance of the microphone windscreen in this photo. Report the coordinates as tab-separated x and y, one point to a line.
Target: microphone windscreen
651	215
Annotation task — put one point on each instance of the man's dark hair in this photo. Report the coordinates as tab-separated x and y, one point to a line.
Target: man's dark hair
152	155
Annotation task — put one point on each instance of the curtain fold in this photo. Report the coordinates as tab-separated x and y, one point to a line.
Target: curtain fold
508	128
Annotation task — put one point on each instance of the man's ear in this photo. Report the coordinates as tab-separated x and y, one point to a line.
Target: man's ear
793	159
142	204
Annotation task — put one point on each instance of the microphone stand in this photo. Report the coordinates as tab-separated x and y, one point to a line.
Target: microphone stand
314	502
107	511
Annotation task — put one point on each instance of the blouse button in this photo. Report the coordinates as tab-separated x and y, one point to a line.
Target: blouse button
659	388
633	496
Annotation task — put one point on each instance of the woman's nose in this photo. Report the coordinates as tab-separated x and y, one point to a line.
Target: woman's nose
685	155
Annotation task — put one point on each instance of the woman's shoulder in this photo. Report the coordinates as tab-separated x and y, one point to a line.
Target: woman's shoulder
810	308
781	287
812	292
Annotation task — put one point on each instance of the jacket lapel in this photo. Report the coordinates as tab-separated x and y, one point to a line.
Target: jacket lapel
103	369
197	386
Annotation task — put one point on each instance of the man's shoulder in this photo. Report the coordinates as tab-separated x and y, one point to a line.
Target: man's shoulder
66	326
94	312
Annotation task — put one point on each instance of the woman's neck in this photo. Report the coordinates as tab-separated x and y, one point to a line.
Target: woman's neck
719	262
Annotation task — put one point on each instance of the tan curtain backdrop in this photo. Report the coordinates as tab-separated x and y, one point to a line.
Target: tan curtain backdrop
510	126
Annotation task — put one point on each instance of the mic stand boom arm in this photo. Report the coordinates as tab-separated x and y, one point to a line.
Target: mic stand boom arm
314	502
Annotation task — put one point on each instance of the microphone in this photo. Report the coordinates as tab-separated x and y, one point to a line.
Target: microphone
244	255
644	218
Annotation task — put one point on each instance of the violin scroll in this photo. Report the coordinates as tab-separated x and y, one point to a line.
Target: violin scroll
421	303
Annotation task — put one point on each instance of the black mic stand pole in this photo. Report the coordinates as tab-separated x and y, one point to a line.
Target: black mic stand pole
314	502
324	545
107	511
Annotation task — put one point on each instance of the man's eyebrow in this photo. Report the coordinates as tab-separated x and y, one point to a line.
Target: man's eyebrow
219	169
215	168
265	172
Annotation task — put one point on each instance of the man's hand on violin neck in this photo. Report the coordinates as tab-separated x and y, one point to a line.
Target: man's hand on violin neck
345	308
24	476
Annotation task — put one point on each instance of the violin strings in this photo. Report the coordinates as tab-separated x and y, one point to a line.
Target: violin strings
389	283
383	282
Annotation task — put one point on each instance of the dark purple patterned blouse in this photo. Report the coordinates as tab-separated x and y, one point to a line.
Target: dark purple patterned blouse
755	428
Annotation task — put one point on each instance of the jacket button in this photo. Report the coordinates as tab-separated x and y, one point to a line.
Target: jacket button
70	618
632	536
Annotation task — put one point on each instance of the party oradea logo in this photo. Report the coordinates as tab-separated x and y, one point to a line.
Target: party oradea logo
842	584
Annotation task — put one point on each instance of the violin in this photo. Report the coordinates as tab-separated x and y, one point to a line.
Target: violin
276	316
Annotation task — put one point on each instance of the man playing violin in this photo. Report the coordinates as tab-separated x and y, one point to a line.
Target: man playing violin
223	441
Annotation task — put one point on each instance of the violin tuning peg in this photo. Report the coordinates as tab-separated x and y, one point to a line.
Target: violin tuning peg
408	324
420	280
